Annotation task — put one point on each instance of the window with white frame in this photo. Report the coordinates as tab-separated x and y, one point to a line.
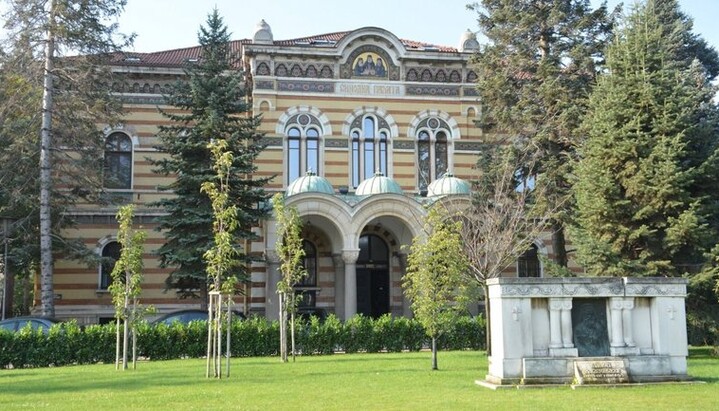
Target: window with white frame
118	161
110	254
303	145
432	150
369	138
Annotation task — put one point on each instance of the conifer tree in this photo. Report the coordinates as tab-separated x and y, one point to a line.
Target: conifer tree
533	77
50	108
646	187
212	99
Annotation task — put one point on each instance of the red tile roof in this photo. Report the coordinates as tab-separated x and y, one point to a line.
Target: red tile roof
179	57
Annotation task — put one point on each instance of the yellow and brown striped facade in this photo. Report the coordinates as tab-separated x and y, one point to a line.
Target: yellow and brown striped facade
343	105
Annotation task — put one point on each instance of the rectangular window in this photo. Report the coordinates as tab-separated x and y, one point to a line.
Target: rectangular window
355	164
293	160
383	157
313	158
369	167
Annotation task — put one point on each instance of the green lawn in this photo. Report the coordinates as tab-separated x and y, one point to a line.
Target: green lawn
342	382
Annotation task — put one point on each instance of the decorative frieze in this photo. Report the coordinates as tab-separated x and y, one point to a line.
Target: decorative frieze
422	90
467	146
264	84
403	144
433	75
272	141
336	143
305	86
590	287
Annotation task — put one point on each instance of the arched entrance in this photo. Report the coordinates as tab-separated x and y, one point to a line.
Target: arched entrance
373	276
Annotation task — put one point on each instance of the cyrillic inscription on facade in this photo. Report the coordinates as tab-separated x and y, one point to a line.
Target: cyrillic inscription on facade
370	89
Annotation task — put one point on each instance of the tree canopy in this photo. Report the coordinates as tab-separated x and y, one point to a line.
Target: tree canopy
533	77
211	97
435	282
54	91
646	186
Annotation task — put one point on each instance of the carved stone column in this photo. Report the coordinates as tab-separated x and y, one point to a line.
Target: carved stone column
628	325
615	308
339	265
272	277
561	343
350	259
567	334
622	341
555	327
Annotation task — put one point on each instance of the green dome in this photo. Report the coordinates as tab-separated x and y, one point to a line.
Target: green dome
378	184
448	185
310	183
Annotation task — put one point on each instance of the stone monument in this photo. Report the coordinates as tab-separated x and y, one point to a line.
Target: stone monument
586	330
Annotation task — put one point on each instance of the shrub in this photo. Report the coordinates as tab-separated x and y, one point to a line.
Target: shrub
67	343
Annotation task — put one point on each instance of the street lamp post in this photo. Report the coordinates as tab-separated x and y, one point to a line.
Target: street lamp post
6	223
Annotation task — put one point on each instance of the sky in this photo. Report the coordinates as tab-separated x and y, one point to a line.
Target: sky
169	24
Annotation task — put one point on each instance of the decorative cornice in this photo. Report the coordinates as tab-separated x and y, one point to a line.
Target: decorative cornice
586	287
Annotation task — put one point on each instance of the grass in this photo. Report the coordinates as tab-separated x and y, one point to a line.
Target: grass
337	382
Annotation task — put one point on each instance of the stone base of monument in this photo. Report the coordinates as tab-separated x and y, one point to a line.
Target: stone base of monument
589	371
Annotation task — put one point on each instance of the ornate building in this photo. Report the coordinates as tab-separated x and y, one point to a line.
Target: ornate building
363	129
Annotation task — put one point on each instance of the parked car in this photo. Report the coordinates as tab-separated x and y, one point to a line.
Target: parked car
36	323
185	316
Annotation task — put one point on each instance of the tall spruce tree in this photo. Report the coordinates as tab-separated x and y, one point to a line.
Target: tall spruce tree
211	98
50	108
533	78
646	187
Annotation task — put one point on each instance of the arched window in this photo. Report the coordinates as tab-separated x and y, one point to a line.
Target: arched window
110	254
369	148
303	146
432	150
118	161
306	287
528	263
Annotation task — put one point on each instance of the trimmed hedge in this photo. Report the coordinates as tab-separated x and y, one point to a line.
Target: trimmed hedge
67	343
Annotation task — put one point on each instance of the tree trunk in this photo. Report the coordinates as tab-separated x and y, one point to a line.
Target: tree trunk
47	295
434	353
559	244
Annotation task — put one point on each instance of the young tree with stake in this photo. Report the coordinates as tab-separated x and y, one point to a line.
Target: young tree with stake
435	282
126	284
291	254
